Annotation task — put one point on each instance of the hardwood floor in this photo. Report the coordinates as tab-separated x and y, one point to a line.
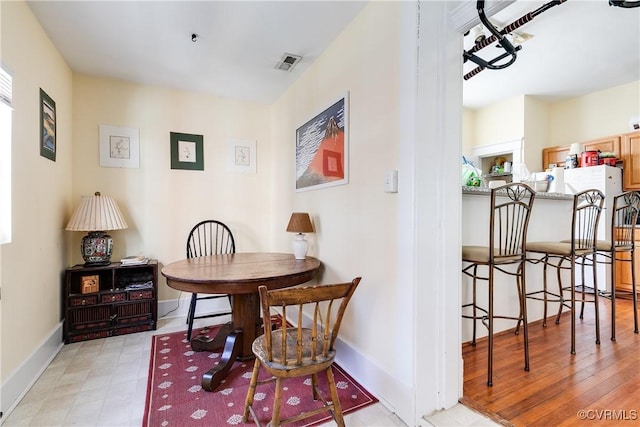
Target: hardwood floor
599	385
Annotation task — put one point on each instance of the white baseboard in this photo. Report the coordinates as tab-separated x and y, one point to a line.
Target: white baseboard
397	397
18	383
392	394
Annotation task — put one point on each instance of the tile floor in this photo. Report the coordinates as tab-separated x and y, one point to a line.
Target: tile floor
103	383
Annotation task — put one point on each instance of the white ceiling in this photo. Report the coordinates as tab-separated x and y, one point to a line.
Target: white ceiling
578	47
235	55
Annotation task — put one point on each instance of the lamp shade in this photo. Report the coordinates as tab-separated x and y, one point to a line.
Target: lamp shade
300	223
96	213
576	148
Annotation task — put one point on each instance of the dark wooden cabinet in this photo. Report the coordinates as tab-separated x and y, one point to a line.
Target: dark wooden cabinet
110	300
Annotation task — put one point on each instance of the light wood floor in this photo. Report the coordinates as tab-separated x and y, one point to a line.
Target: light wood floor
602	381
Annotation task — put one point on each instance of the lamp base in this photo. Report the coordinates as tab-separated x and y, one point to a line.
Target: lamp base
96	248
300	247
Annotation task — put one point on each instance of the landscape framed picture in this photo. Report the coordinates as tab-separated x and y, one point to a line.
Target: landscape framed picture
47	126
187	151
322	148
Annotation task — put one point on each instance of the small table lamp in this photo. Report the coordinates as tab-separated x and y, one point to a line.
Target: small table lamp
300	223
574	153
96	214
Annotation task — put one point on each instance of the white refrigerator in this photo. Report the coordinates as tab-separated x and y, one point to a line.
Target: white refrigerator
607	179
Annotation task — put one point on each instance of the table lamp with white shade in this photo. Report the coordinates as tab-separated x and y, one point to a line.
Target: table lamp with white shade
96	214
300	223
574	153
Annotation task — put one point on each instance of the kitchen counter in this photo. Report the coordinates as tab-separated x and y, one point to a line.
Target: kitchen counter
479	191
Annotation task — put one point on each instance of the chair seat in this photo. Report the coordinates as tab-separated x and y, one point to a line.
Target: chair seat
259	349
561	248
480	255
607	246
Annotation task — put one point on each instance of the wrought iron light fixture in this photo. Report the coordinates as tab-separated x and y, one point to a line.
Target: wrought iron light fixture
624	3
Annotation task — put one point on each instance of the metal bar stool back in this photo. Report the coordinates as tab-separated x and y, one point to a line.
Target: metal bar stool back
579	250
511	207
619	251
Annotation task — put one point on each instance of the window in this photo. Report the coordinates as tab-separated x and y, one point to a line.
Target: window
6	112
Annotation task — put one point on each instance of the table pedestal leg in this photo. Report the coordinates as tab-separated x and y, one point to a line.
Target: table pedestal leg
213	377
202	343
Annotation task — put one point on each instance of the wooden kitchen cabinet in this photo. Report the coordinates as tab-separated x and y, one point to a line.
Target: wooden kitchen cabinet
557	155
610	144
630	147
623	269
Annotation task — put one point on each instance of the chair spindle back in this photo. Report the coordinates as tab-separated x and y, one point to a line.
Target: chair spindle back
510	213
210	237
624	219
290	303
587	208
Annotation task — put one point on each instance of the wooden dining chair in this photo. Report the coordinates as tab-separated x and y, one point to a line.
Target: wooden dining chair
510	206
208	237
565	255
306	349
619	250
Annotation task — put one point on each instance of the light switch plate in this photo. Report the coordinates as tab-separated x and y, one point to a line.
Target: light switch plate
391	181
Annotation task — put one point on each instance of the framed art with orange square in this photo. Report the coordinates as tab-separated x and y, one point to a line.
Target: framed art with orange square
322	148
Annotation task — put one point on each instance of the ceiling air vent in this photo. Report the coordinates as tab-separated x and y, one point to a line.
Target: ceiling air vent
288	61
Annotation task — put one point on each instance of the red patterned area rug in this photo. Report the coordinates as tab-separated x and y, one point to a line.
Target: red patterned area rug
176	398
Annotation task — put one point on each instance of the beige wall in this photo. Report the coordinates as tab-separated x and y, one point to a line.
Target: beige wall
32	264
161	204
356	223
599	114
536	132
468	131
500	122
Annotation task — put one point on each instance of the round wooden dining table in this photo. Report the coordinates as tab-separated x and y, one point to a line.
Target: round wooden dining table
239	275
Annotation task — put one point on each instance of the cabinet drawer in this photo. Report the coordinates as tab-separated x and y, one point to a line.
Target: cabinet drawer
113	297
89	317
82	301
134	328
139	295
134	310
88	336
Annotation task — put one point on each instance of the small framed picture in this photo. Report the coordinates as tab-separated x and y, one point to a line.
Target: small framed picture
187	151
241	155
119	147
89	284
47	126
